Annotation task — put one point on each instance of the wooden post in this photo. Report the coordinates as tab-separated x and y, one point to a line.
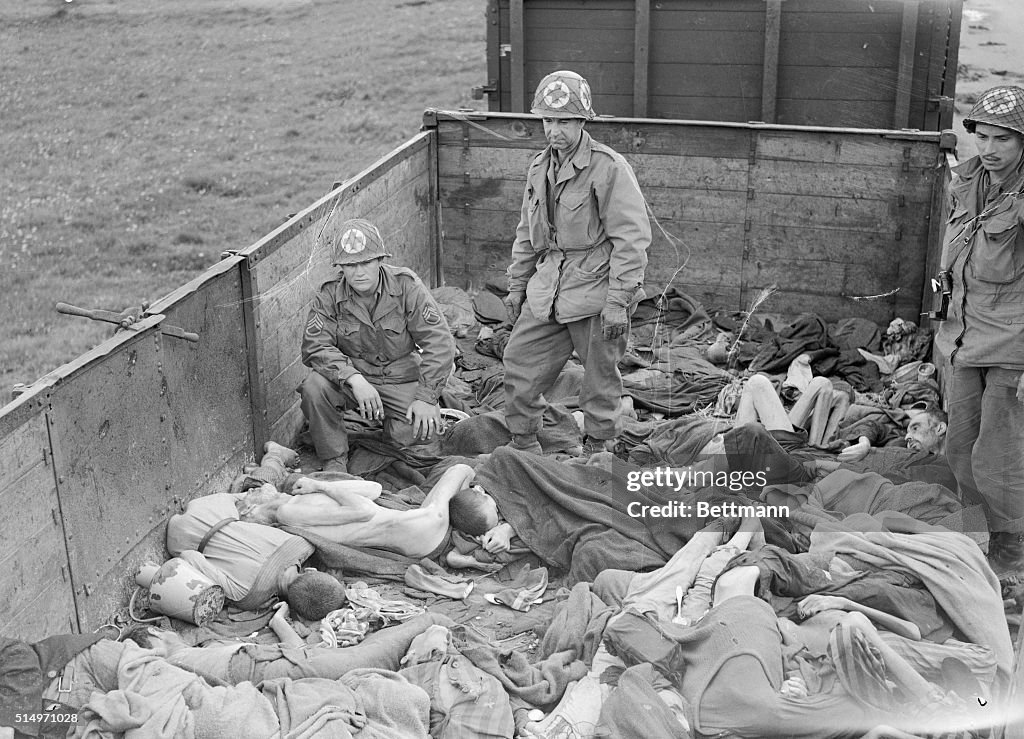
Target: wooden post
517	59
770	73
641	56
905	76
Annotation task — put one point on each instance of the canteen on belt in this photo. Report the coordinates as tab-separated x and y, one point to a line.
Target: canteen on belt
179	590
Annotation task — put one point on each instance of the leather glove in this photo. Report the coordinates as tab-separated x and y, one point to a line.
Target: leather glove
613	321
514	305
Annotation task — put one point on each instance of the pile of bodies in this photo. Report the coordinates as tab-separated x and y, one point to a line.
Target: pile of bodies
773	549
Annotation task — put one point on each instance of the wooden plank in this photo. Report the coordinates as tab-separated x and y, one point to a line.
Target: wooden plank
780	243
625	136
908	46
829	214
867	52
673	203
33	553
517	58
651	169
494	77
770	84
825	18
855	113
207	383
853	181
641	56
846	148
952	56
553	48
709	82
37	598
579	16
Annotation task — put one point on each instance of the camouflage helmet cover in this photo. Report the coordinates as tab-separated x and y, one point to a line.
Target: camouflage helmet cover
563	94
359	241
1000	106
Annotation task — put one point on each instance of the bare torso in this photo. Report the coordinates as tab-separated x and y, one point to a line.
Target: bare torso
363	523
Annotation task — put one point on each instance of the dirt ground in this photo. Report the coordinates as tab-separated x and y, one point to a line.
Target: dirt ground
141	139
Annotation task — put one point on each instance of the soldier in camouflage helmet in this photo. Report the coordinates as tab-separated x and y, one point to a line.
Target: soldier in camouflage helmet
361	342
983	334
577	268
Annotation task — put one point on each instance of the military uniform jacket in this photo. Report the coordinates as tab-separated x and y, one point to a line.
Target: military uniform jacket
593	251
984	249
342	338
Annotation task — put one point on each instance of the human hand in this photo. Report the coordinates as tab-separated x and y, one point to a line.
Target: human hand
425	419
855	452
514	305
371	407
428	646
794	687
498	539
813	604
305	486
613	322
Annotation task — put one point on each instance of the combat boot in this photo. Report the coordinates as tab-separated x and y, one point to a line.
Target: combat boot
526	443
594	446
336	464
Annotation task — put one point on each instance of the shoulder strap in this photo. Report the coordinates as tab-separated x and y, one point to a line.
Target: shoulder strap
213	530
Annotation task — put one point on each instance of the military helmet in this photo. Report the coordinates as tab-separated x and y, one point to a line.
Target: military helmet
563	94
1000	106
359	241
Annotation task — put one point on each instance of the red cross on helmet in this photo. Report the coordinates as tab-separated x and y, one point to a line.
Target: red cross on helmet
358	241
563	94
1000	106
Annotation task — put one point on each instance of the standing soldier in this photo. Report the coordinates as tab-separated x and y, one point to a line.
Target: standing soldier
577	268
361	342
983	336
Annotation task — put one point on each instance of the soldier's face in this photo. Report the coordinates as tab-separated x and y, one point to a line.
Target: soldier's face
563	133
1000	149
364	277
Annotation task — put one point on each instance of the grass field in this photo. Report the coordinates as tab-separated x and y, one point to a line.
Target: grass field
140	139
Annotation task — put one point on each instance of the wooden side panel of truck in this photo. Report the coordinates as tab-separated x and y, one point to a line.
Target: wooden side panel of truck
97	455
862	63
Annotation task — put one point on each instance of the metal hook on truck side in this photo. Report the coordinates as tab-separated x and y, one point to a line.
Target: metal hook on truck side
124	320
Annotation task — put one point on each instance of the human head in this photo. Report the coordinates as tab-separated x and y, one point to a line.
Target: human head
313	594
997	122
260	505
472	511
564	101
150	637
358	252
926	431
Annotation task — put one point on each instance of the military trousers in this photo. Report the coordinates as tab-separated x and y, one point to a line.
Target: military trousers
985	443
324	404
535	355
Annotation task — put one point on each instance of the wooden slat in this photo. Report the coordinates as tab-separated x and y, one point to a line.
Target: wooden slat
908	46
845	148
697	205
641	57
518	56
770	84
845	181
652	169
34	573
